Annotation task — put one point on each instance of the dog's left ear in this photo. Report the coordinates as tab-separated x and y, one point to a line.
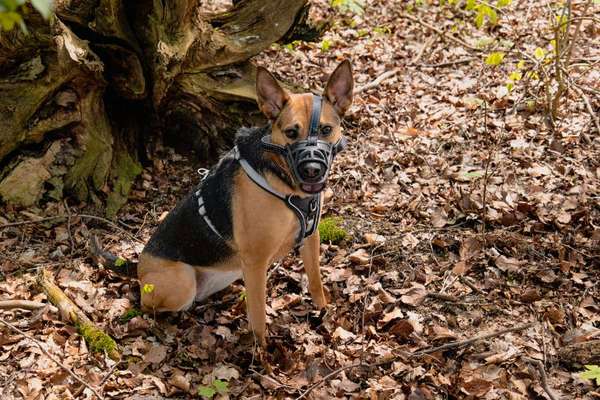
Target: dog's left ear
339	87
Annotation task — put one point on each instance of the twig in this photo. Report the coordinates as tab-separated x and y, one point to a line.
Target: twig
474	288
440	32
425	46
487	176
468	342
51	357
25	305
86	216
542	372
450	63
444	297
590	110
377	81
69	226
326	378
33	221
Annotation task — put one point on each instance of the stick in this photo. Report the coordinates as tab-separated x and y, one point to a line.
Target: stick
426	45
33	221
442	296
440	32
326	378
590	110
25	305
377	81
542	372
96	339
63	366
468	342
450	63
86	216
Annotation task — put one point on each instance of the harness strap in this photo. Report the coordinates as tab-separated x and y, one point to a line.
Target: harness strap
307	210
202	212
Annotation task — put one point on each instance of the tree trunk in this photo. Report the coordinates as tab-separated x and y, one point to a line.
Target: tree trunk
81	96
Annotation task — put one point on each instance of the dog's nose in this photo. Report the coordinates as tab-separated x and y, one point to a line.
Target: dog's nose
312	170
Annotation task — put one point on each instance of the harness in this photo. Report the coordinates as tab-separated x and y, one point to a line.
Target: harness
307	209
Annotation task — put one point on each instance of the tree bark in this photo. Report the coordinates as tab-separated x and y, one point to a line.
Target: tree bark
83	95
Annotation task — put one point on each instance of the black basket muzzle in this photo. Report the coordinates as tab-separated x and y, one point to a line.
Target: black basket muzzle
309	159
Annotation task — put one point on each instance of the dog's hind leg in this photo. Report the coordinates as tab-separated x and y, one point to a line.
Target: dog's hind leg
165	285
310	257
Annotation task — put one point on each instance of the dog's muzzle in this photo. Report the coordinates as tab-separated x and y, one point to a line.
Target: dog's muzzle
309	159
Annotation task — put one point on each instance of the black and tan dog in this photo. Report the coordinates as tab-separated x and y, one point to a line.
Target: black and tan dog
259	202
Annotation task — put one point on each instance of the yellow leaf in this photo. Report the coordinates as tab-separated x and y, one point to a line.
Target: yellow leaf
494	58
539	53
148	288
515	76
521	64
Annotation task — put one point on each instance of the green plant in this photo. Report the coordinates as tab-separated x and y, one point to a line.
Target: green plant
129	315
592	372
12	11
481	11
330	230
216	386
547	66
352	6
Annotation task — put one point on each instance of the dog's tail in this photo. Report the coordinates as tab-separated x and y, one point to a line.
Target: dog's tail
116	264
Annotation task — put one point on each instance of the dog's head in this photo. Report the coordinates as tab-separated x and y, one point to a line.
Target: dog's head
290	115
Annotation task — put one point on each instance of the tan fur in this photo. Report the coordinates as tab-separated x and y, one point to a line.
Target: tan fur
264	228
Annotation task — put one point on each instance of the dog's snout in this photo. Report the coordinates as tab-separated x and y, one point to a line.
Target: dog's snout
312	170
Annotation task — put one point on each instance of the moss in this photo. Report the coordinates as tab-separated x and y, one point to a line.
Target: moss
129	315
98	341
330	230
124	171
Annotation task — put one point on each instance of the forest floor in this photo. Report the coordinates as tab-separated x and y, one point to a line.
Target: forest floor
467	215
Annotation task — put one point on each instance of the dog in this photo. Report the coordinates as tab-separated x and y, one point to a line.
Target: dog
259	202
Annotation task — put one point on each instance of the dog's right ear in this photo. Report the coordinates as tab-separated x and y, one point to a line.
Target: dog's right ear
270	96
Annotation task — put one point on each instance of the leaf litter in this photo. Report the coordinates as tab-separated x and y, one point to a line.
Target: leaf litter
462	220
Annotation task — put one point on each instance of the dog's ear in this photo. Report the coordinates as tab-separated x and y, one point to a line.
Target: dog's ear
270	96
340	86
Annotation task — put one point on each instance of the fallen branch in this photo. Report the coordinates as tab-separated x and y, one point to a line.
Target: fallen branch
377	81
543	379
25	305
51	357
468	342
96	339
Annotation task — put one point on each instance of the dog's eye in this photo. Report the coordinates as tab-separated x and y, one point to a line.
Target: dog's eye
326	130
291	133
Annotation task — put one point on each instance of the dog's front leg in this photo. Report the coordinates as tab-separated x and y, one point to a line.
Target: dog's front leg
310	257
255	280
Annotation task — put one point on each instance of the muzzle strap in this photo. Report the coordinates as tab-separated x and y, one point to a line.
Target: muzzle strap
315	117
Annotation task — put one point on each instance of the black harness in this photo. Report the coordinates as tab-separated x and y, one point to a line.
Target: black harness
307	209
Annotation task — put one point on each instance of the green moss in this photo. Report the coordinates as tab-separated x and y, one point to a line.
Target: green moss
129	315
330	230
124	171
97	340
